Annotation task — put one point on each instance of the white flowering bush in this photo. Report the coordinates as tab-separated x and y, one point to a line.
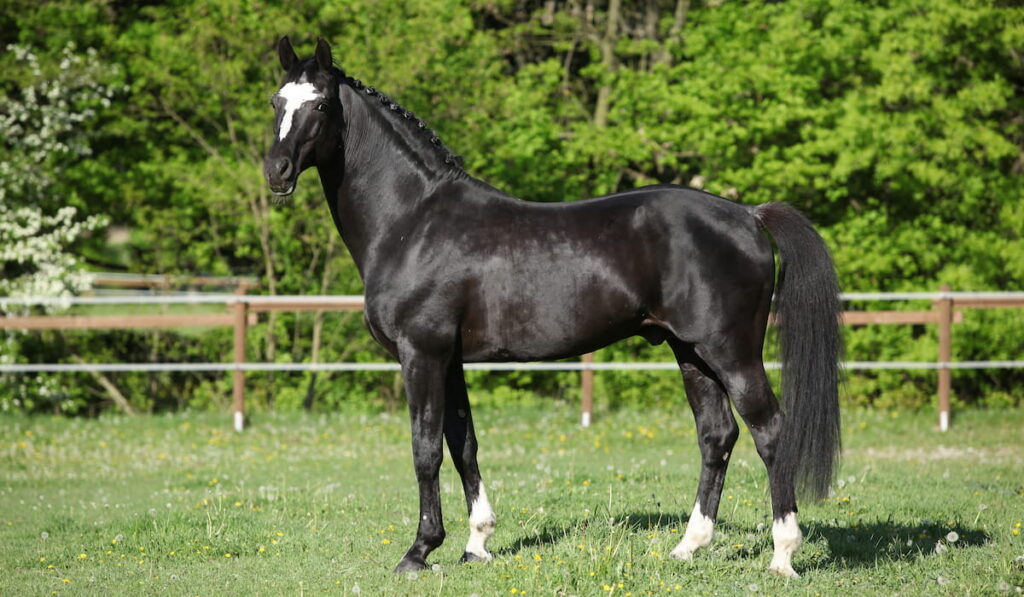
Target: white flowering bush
33	251
44	124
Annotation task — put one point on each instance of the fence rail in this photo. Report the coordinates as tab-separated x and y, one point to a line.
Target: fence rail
497	366
242	312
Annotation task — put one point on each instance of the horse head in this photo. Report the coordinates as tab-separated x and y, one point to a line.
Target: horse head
308	116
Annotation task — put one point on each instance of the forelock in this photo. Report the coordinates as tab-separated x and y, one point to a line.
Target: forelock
307	71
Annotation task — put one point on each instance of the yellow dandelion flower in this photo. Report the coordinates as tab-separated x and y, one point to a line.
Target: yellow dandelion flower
386	541
536	556
227	555
67	580
262	549
82	556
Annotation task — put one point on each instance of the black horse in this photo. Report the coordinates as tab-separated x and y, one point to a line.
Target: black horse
457	271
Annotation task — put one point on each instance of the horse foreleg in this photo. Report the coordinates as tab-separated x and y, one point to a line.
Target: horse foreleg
458	430
716	434
424	382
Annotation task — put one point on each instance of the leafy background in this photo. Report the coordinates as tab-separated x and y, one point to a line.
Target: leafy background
896	126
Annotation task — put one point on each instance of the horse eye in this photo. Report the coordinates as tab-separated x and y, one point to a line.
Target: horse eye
321	107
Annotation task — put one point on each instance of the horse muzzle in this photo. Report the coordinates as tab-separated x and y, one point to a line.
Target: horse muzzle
281	174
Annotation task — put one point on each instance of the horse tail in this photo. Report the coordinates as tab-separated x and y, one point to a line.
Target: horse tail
807	309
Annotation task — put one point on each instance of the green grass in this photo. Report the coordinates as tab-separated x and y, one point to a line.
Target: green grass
326	503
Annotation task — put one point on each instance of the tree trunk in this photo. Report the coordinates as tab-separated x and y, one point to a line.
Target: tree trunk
318	323
607	45
678	22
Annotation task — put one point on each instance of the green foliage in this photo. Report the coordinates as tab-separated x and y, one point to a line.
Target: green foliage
895	125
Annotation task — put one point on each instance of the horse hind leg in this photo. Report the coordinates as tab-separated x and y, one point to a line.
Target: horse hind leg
751	393
716	435
461	437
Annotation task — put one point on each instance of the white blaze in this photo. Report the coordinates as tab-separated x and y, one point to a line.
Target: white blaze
481	526
294	94
787	538
699	532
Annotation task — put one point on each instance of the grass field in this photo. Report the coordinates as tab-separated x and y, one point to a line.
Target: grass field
312	504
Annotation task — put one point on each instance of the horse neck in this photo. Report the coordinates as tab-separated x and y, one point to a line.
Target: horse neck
386	169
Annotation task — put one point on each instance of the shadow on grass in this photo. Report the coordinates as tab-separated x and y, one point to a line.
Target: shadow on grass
863	545
868	544
634	522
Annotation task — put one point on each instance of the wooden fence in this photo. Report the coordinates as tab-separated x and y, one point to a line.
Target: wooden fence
243	312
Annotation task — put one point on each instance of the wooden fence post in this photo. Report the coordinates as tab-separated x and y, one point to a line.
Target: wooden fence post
587	390
945	306
241	310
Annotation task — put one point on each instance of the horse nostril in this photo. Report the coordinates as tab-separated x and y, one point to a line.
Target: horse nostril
284	168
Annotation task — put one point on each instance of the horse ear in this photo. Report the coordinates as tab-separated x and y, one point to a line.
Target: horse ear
286	53
323	54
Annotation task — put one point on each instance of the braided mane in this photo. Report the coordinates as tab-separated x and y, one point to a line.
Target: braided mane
450	158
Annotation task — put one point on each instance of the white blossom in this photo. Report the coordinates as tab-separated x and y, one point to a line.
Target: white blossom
44	126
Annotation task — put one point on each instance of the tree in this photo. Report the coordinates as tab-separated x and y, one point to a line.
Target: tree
44	119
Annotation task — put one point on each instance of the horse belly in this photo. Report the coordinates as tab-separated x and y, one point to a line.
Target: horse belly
552	311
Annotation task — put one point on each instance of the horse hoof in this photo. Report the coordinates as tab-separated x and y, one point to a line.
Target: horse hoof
407	565
469	558
681	555
784	572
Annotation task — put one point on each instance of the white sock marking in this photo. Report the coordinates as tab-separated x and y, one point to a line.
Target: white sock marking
787	538
481	526
294	94
699	532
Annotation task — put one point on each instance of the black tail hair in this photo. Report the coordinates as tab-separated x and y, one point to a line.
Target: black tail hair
807	308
